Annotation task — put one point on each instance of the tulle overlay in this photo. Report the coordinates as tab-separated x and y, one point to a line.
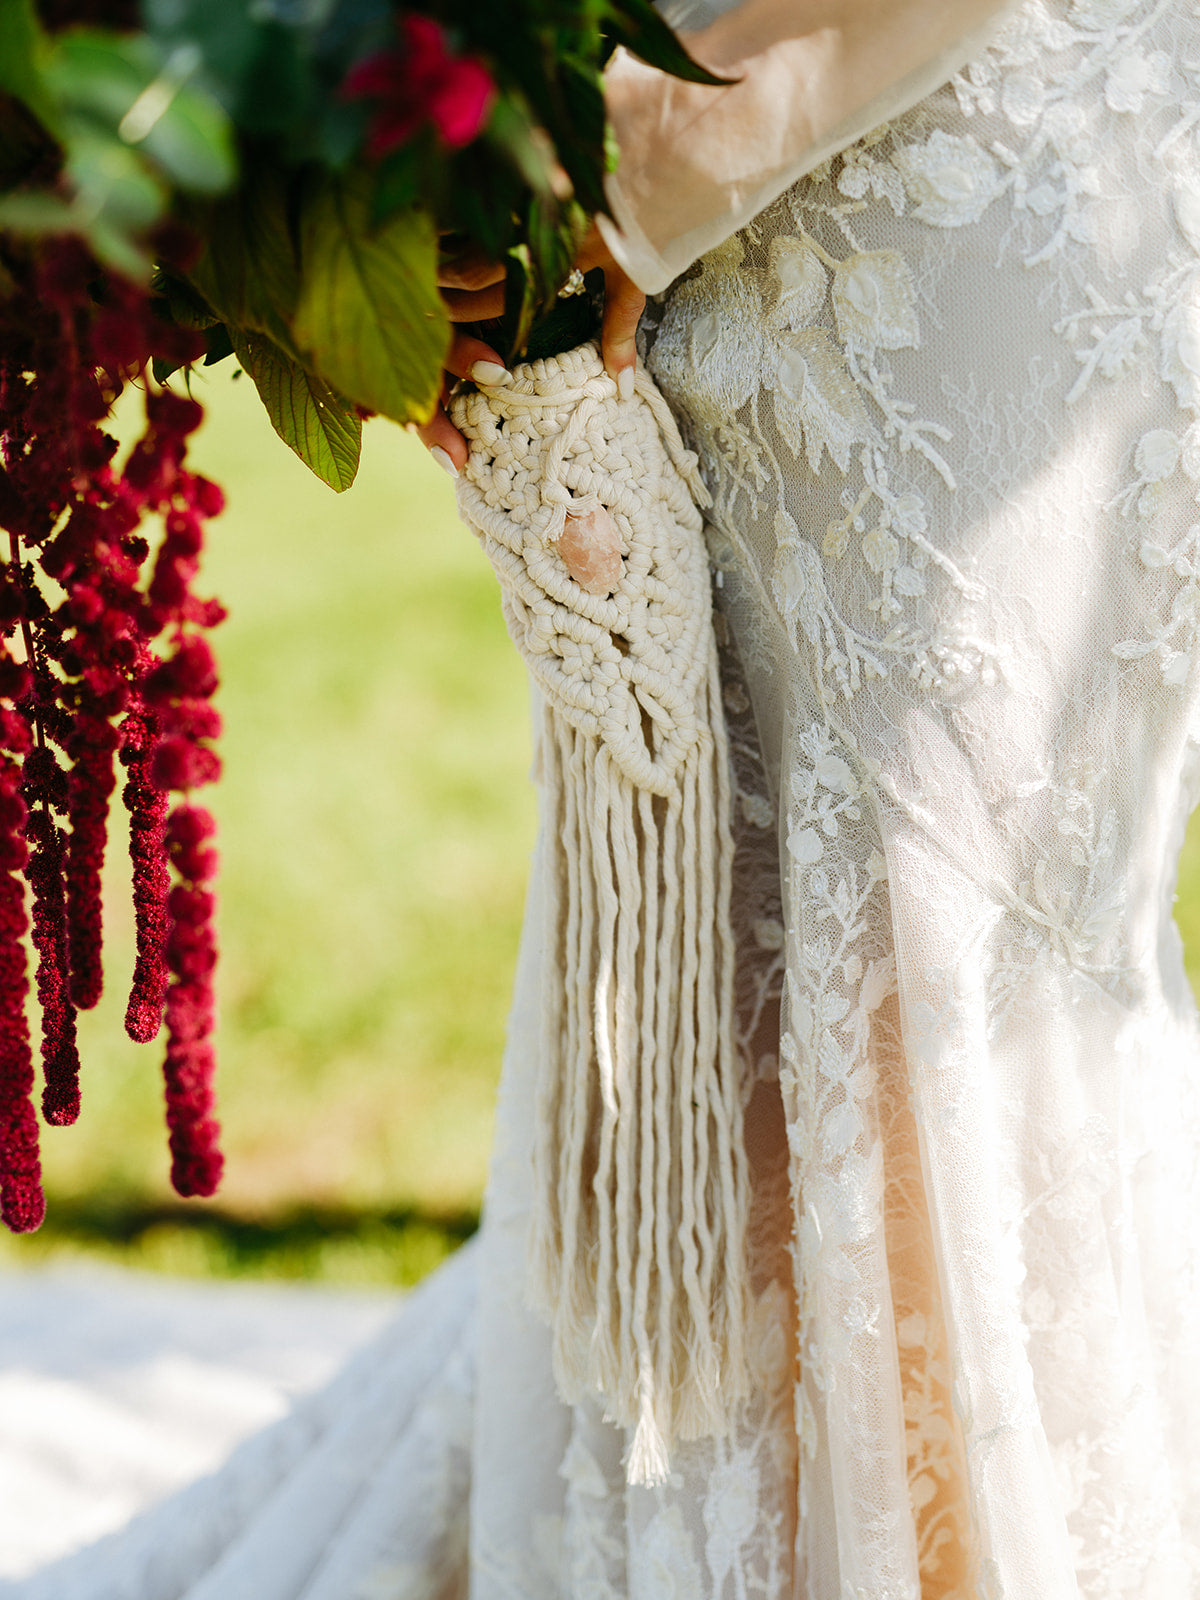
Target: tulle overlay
946	396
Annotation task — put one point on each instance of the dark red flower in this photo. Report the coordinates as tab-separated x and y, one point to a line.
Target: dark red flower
60	1054
188	832
21	1202
91	782
179	763
196	1161
190	1010
192	670
422	82
209	496
176	415
147	808
70	337
191	718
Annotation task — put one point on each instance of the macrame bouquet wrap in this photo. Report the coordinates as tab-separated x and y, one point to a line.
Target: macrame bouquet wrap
586	506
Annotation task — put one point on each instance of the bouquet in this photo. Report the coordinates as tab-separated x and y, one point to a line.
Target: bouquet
190	181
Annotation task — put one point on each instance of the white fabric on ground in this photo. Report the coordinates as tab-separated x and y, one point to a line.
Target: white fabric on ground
117	1389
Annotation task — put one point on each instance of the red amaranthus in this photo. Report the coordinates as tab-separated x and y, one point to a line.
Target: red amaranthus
81	608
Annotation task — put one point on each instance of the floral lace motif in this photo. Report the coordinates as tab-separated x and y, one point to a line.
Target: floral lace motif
946	393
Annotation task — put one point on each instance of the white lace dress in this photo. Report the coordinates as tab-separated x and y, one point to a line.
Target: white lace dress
946	393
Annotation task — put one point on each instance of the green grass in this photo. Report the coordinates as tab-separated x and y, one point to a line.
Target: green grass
346	1245
376	821
1187	902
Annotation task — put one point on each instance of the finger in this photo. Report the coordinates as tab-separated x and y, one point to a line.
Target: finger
474	305
444	442
624	303
471	358
470	270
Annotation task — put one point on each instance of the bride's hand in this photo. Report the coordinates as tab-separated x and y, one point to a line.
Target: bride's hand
473	290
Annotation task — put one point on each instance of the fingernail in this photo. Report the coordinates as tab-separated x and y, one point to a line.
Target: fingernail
491	373
443	460
625	383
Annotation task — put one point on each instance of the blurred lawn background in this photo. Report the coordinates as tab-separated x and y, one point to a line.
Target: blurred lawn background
376	821
376	824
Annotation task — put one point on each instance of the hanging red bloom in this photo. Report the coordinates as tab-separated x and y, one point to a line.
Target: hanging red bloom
89	687
419	83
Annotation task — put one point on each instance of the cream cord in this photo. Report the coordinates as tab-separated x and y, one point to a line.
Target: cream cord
586	507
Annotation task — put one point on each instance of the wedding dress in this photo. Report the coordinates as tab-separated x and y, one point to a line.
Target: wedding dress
945	391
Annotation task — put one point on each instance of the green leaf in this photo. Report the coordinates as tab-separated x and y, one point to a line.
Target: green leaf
369	316
47	213
226	32
555	233
99	74
248	273
340	132
20	73
180	302
123	85
274	284
483	200
520	299
612	150
318	423
512	129
218	346
580	138
537	268
110	182
116	249
190	138
398	180
279	93
25	145
37	213
114	201
130	128
639	27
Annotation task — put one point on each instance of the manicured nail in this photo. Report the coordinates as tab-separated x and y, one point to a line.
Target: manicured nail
490	373
625	383
443	460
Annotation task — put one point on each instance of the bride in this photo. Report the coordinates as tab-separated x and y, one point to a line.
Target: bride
926	303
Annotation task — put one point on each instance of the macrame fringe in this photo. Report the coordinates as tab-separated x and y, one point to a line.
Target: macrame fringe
638	1236
638	1239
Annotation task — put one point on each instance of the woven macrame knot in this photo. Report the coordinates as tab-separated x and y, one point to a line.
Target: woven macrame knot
587	508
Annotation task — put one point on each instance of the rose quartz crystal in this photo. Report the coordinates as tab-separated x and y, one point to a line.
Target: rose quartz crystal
590	548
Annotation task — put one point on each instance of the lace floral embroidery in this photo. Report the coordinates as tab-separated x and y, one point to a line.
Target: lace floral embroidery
927	387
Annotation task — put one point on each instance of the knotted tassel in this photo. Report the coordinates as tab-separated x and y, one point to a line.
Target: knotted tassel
586	507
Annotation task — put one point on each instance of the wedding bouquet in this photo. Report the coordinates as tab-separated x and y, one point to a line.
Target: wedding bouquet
190	181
